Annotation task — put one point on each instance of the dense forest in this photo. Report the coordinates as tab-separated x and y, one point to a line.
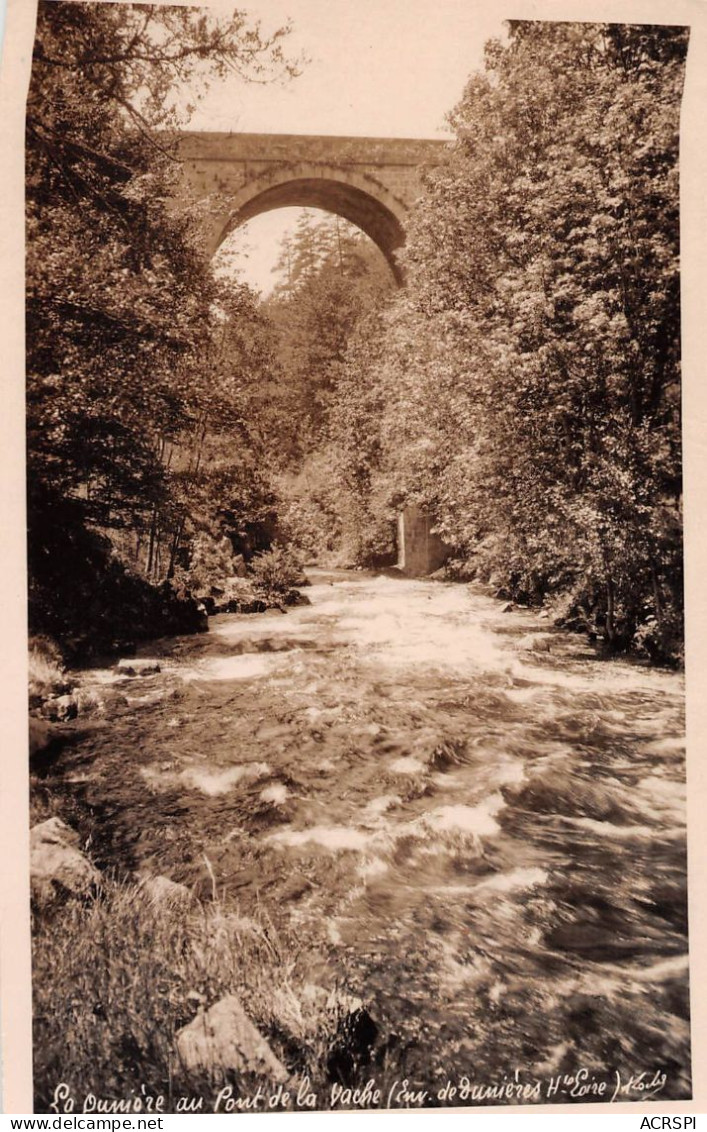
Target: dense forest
144	377
525	386
189	444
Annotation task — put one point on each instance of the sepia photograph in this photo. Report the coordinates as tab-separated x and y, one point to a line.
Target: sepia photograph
355	586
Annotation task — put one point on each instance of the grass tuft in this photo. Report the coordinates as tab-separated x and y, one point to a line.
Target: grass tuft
116	978
46	670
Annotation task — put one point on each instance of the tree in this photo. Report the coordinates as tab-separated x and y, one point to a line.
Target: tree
332	279
541	384
120	300
332	276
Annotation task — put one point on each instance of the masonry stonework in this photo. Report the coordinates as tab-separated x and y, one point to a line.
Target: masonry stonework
420	551
371	182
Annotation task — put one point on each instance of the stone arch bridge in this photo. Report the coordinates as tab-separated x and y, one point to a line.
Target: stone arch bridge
371	182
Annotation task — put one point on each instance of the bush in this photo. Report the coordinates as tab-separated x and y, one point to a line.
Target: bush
276	572
310	514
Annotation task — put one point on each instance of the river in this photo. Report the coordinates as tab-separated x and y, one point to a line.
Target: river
469	818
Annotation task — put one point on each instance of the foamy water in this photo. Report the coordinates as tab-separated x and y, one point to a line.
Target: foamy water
475	824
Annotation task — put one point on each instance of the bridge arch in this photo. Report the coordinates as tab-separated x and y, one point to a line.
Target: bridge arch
372	182
358	198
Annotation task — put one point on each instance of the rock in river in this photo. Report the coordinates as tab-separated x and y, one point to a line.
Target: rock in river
59	709
134	667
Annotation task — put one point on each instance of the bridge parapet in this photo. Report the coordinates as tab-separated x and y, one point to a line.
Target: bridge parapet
328	149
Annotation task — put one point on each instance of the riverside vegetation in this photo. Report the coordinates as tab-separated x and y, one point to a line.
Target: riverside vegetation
189	446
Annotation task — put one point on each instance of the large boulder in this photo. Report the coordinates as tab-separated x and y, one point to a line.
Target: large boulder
57	866
223	1040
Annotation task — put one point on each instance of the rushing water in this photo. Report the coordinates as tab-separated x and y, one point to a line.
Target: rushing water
469	818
